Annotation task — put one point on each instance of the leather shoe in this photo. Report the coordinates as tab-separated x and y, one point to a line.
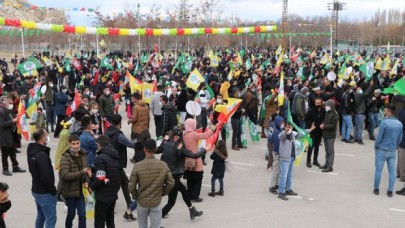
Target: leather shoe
389	193
316	164
309	165
7	173
235	148
323	167
198	200
401	192
376	192
360	142
327	170
18	170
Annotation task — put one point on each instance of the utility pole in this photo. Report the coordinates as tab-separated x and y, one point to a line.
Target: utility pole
284	22
139	37
336	6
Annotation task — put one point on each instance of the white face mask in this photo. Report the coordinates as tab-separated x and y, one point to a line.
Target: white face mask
87	92
94	111
10	107
107	92
282	126
219	100
51	85
359	91
64	90
160	103
328	108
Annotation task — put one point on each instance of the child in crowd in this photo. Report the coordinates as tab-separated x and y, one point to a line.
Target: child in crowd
270	143
40	122
219	156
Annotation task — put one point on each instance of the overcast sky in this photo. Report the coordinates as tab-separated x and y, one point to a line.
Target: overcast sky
246	9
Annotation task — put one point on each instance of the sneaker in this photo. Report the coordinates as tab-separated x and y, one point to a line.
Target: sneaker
360	142
282	196
290	193
220	193
18	170
401	192
129	217
199	200
316	164
273	190
212	194
376	192
235	148
7	173
309	165
389	193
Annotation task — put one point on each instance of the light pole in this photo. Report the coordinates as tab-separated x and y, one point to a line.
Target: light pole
139	37
22	42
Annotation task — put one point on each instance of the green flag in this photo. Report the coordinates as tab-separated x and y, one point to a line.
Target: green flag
263	108
186	67
30	65
301	131
265	64
243	132
210	91
180	61
66	64
254	133
368	70
248	64
397	88
105	62
137	68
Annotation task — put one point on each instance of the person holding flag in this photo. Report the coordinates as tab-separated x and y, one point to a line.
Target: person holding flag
8	131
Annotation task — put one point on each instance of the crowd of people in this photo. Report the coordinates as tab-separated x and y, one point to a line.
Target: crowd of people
78	103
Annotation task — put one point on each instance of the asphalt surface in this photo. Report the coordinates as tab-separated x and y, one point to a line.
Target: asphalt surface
343	198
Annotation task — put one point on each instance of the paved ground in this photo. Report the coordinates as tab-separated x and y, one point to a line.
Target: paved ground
343	198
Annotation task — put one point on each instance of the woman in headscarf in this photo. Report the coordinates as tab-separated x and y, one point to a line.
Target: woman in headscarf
194	167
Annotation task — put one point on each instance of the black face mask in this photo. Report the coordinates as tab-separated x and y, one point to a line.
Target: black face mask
4	207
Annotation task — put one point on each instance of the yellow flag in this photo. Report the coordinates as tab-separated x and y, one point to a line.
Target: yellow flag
230	75
47	61
133	83
280	96
325	59
240	60
147	92
102	43
279	50
194	80
386	63
378	64
395	68
210	53
214	61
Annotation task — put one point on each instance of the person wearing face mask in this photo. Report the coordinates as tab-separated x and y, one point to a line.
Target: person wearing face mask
360	100
216	114
43	179
8	131
315	116
5	203
95	118
169	119
329	127
279	124
373	107
61	100
107	104
50	92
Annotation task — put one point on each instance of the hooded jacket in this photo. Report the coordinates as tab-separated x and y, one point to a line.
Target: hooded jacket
331	121
169	119
277	123
140	117
107	160
40	167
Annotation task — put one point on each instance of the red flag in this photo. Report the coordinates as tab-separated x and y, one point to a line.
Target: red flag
117	98
22	125
156	48
106	125
95	79
129	113
76	102
76	64
154	84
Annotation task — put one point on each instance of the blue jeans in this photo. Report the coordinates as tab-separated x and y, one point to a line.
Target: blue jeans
46	210
133	205
347	126
221	183
380	158
72	204
373	119
286	172
358	129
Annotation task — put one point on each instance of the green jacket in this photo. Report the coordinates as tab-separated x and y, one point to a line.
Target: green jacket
150	180
71	173
107	105
40	122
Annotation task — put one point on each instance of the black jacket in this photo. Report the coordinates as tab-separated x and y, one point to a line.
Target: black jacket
6	128
169	118
113	133
218	167
40	167
175	157
107	160
315	116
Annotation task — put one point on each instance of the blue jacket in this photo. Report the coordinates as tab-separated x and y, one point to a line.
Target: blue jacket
389	135
277	130
88	144
61	99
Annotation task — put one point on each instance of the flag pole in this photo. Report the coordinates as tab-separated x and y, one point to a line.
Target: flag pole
22	42
331	38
